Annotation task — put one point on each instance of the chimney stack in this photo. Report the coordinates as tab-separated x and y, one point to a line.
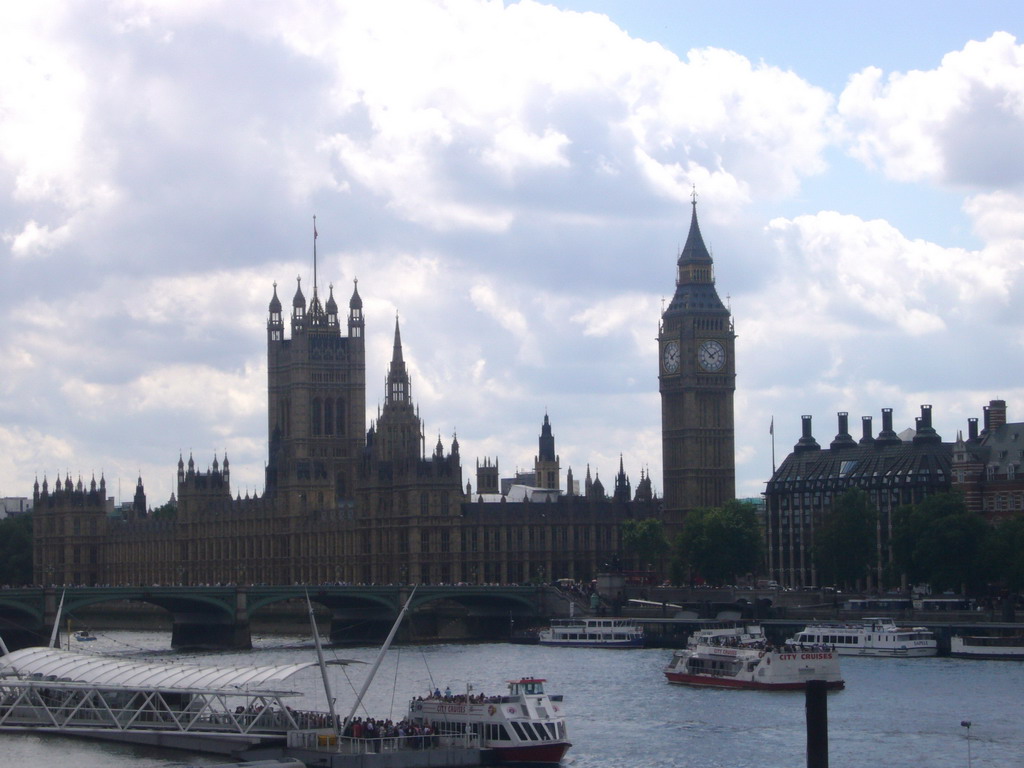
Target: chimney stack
865	436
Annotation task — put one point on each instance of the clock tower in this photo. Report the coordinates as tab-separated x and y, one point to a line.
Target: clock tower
697	379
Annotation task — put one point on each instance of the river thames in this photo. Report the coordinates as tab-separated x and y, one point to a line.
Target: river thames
622	713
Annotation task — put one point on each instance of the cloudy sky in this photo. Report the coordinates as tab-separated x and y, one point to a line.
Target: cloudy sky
514	180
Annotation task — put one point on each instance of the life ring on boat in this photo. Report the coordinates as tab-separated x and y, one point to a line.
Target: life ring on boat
760	655
491	710
511	710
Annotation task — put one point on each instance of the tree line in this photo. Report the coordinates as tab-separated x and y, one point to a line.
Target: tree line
938	542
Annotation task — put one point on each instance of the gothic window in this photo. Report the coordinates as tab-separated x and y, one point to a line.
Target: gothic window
424	540
339	415
446	541
328	417
316	416
424	503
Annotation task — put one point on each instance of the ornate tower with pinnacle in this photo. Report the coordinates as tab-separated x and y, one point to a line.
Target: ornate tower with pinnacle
398	437
697	379
546	462
316	400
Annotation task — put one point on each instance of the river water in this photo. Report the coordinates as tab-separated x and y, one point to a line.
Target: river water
621	713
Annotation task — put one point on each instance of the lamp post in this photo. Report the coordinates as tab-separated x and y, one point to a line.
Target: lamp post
967	724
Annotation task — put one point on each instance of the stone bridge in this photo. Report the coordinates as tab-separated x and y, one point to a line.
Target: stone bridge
219	617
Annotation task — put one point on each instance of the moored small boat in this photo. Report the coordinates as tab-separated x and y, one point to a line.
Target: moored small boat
870	637
1010	647
593	633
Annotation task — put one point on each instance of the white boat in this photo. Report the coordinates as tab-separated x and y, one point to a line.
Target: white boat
524	726
84	636
741	657
593	633
1010	647
869	637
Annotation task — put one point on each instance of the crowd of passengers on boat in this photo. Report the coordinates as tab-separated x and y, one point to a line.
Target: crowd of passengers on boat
459	698
764	645
412	735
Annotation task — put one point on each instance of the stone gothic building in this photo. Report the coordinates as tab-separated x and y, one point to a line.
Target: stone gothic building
344	502
697	379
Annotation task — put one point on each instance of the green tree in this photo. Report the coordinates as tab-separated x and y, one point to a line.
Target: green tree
844	546
645	539
166	511
1007	548
16	550
718	544
940	543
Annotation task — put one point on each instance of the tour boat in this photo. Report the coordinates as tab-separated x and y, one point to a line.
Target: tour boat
870	637
593	633
1010	647
741	657
525	726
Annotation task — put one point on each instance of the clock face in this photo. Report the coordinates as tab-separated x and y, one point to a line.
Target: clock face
711	356
671	357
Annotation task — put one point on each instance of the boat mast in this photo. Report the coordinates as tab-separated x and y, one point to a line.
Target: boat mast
56	621
380	656
323	665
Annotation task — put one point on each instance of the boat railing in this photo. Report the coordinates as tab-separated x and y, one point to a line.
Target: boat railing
321	740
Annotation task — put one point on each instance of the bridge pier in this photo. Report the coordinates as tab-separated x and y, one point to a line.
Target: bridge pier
214	631
204	631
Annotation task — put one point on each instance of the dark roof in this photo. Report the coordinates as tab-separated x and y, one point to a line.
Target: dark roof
866	466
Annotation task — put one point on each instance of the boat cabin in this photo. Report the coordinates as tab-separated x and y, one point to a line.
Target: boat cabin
527	686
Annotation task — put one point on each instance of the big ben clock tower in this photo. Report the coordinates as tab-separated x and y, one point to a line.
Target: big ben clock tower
697	379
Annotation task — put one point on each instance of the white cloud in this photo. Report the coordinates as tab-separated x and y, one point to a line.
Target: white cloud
843	273
960	123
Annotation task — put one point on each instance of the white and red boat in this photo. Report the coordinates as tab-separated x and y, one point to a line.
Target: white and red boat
524	726
741	657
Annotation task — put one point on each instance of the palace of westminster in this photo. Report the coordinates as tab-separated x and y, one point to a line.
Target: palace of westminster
348	503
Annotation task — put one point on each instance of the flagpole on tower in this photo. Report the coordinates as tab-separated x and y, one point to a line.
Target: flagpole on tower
771	431
314	255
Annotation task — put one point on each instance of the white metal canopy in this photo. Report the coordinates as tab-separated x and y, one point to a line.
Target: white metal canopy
55	663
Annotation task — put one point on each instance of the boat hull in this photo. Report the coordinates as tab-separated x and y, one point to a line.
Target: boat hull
634	643
896	653
753	685
541	754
